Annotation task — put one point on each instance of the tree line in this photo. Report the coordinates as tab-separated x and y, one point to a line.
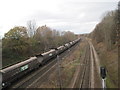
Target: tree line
20	42
107	30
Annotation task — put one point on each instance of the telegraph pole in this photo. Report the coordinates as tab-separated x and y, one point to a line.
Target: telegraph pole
118	37
59	73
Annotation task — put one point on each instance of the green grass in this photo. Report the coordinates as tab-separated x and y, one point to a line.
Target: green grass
107	60
71	68
109	83
69	75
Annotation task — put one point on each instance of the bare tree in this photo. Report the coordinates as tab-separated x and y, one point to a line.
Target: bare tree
31	28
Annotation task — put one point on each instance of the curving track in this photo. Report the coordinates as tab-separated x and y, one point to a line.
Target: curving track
88	75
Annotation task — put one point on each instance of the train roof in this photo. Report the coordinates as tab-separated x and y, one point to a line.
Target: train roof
60	47
18	65
67	44
71	42
41	55
48	52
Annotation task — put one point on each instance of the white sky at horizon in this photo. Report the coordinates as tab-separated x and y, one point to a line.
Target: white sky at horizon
73	15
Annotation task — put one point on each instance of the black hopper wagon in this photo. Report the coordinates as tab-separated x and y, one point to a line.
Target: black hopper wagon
14	72
45	57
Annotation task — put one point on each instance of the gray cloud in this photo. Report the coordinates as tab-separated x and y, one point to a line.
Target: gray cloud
77	17
73	15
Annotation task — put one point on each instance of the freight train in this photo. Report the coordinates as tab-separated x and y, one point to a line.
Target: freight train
14	72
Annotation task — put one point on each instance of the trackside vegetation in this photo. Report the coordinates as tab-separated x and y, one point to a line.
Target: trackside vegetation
105	37
18	44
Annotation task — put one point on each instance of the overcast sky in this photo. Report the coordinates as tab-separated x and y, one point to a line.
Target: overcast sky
73	15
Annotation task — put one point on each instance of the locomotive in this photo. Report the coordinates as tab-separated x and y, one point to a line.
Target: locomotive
12	73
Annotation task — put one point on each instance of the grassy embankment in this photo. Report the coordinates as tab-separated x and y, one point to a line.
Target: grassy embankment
109	59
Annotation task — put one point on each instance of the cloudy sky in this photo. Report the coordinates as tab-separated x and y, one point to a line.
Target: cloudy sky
78	16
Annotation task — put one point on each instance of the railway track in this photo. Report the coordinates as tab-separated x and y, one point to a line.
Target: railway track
81	80
88	74
30	79
96	81
85	80
39	76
